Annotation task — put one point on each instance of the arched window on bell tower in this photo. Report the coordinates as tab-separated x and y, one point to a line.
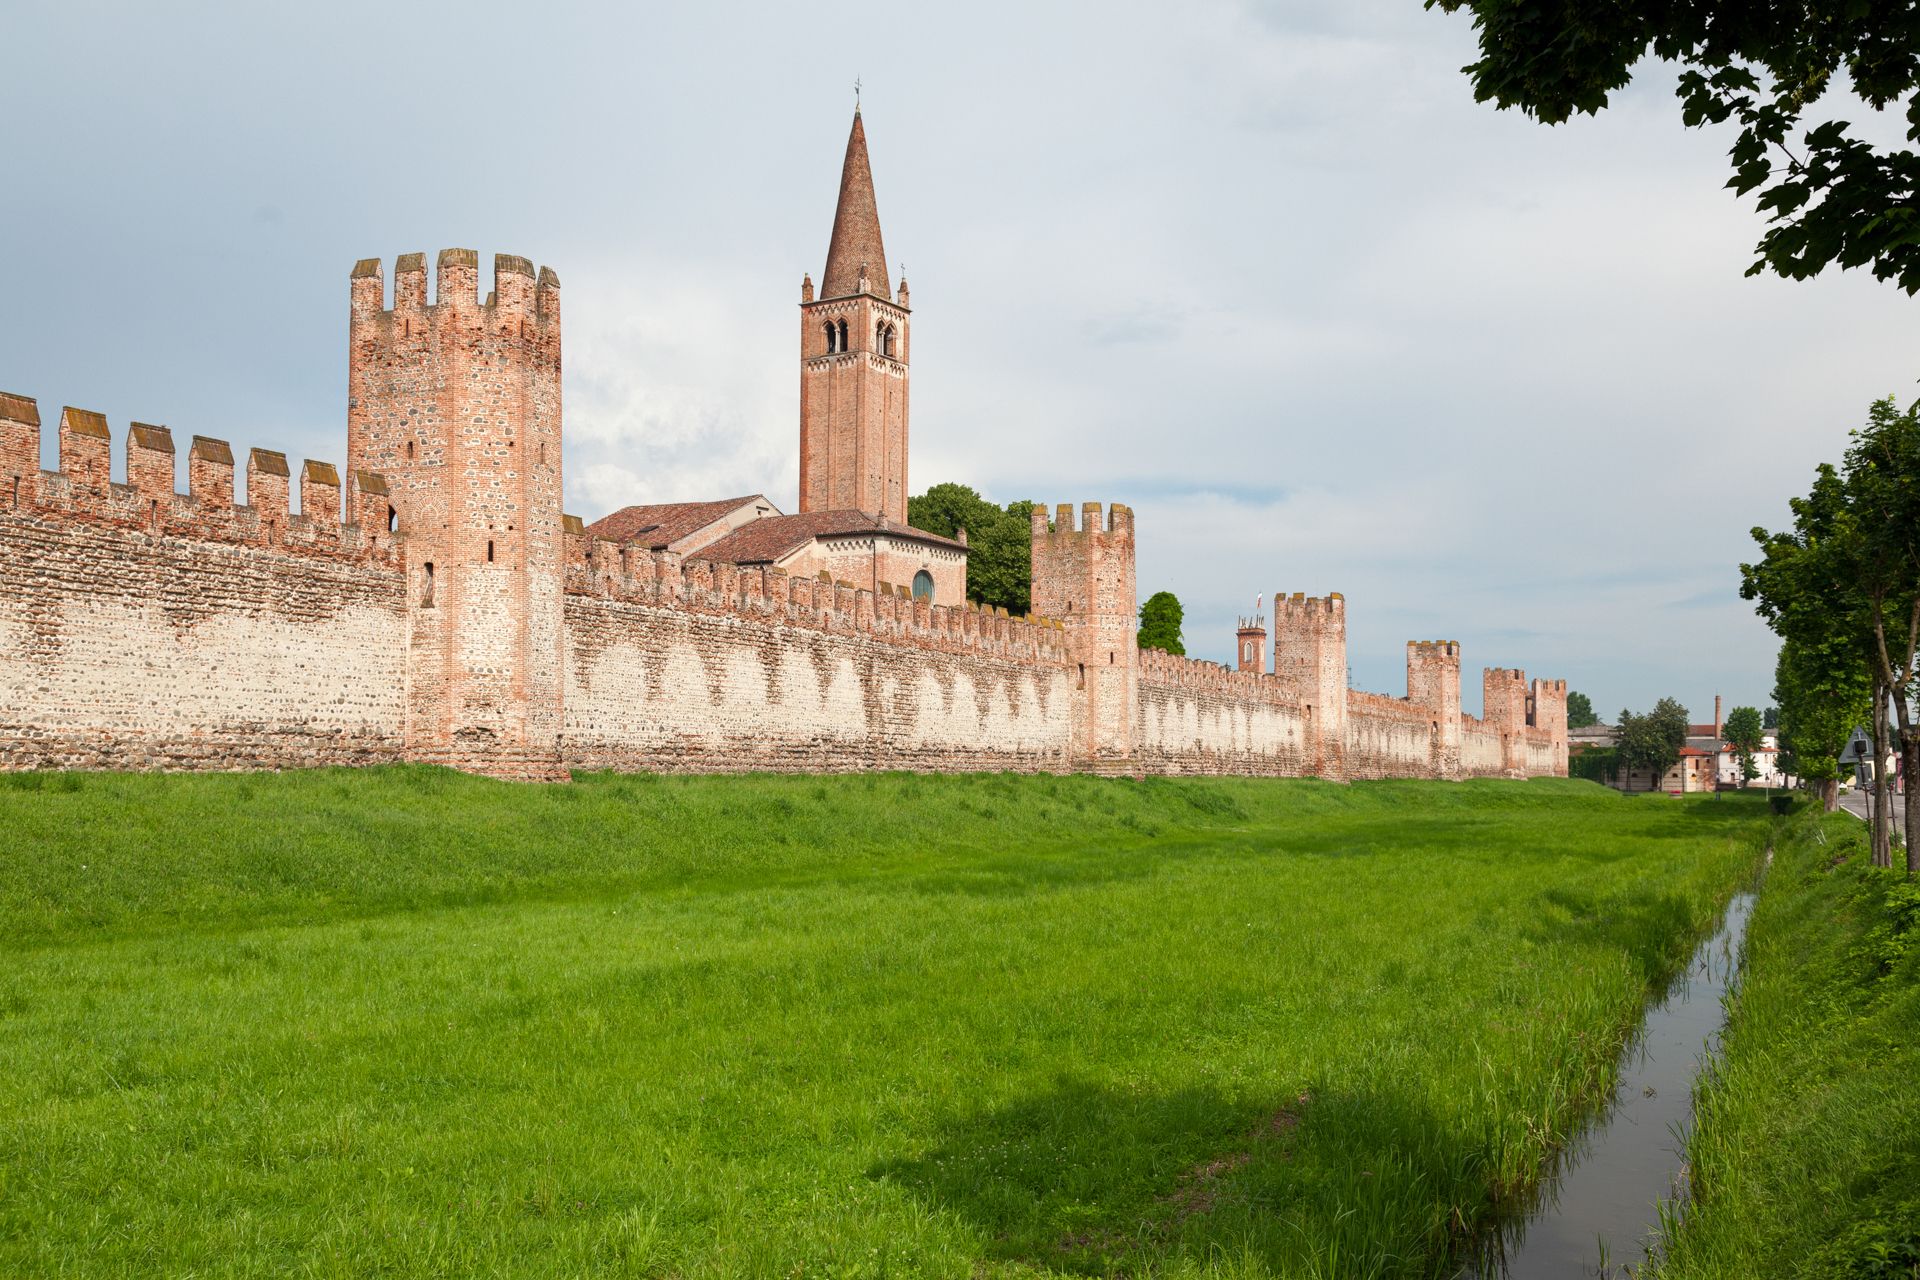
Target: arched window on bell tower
833	338
843	336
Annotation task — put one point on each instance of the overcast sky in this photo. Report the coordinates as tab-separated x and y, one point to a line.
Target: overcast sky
1264	272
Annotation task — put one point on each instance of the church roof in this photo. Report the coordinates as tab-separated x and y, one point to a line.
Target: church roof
773	538
856	227
659	525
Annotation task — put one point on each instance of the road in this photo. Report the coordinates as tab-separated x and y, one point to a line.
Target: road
1855	803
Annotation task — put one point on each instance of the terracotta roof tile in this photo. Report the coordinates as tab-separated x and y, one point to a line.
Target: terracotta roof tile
768	540
659	525
856	227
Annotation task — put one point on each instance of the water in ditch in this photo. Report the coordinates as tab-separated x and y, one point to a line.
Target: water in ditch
1600	1204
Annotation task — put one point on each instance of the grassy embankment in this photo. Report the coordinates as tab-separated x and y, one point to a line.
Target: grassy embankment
1806	1148
407	1023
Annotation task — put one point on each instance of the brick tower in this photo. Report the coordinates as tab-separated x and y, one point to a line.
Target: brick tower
1504	707
1084	579
1310	662
1252	637
457	405
853	362
1433	682
1547	709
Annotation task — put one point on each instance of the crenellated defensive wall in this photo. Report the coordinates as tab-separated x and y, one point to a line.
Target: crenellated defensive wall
437	605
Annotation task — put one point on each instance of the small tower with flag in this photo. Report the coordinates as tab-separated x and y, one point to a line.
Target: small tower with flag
1253	640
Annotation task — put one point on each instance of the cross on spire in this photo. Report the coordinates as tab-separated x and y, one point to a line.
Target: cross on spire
856	94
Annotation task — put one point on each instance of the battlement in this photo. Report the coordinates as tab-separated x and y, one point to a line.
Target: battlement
1118	522
1257	622
1386	706
82	490
634	574
1434	649
518	290
1173	671
1300	605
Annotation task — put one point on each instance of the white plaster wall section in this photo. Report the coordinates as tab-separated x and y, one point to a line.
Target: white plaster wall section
123	666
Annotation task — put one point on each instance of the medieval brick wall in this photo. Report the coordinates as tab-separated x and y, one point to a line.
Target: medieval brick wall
674	665
1199	718
1483	751
144	629
1389	737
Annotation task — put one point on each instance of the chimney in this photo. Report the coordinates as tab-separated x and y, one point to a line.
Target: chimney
1717	721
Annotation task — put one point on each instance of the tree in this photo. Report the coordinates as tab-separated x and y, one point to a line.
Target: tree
1653	741
999	541
1160	619
1848	573
1742	732
1823	691
1770	719
1883	486
1764	64
1806	588
1580	710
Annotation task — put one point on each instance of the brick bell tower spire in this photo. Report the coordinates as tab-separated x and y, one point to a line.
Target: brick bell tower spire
853	361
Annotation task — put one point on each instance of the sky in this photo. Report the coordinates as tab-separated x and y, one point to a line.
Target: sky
1264	272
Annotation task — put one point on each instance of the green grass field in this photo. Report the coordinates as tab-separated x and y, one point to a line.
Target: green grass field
407	1023
1806	1151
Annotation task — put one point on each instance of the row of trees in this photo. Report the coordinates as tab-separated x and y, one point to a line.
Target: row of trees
1841	588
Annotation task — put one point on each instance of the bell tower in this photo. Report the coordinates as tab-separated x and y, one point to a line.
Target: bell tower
853	362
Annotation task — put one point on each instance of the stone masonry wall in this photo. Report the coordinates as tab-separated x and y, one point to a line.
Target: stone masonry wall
1482	754
1195	717
691	666
1389	737
144	629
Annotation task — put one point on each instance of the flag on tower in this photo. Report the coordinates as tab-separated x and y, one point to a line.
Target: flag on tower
1256	601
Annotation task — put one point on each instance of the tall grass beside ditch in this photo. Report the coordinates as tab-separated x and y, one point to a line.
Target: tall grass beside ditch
1805	1150
407	1023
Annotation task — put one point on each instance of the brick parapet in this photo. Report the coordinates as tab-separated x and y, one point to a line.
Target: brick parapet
82	492
1387	706
1172	671
634	574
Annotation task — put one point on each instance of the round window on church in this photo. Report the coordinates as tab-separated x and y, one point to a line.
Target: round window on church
923	586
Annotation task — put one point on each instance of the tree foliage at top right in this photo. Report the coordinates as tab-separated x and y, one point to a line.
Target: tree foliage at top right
1766	65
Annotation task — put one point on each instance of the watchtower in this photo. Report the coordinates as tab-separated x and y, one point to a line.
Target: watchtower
1547	709
1433	682
1504	707
1310	661
456	403
1083	578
